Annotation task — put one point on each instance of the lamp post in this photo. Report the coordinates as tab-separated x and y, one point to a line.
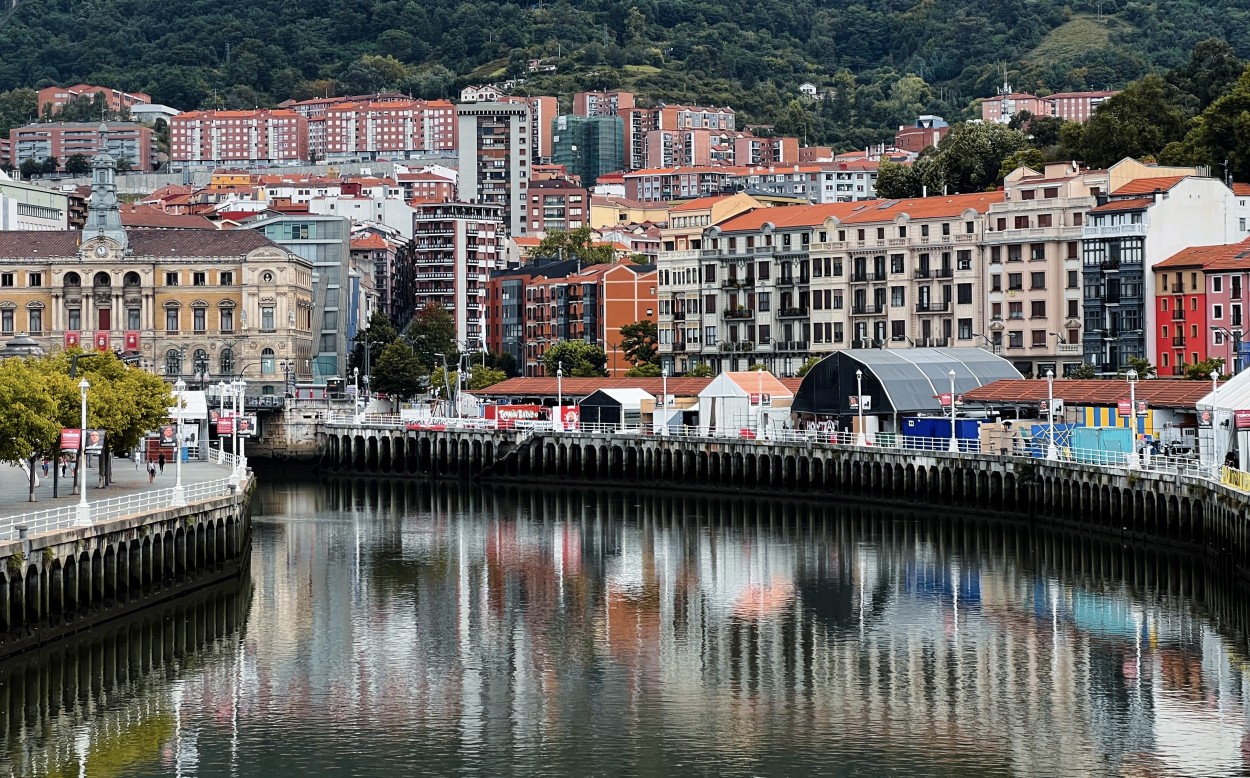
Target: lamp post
1132	414
664	392
84	510
954	444
240	390
1215	381
228	388
861	439
558	421
356	398
180	493
1052	452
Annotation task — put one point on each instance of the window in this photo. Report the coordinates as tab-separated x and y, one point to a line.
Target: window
709	335
1039	338
969	228
1015	340
1217	284
1219	336
897	298
1015	281
1217	312
173	362
1022	222
996	311
946	228
171	278
226	278
35	279
1043	220
267	362
1015	310
996	283
965	329
1013	254
199	278
75	319
963	294
924	230
763	301
709	274
225	362
898	330
6	279
902	232
896	263
227	320
1074	279
1028	194
171	320
1074	309
266	277
837	299
266	319
1037	280
1037	309
199	317
964	259
762	274
35	317
996	254
838	332
6	320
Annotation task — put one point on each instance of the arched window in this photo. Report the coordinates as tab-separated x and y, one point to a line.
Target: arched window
173	362
131	279
73	279
103	279
200	362
267	362
226	360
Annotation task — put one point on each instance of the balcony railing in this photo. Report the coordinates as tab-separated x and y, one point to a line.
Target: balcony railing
792	312
739	313
933	306
1178	340
868	309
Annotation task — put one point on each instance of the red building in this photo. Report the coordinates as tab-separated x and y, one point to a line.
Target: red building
54	98
392	129
425	186
255	137
62	140
555	204
1200	297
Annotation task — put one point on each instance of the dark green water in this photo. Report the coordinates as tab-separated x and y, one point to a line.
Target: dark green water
442	630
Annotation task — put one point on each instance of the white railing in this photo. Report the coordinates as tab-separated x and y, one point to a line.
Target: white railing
219	457
110	508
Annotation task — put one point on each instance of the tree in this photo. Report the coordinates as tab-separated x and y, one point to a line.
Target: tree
644	370
397	372
124	165
442	382
51	165
896	180
31	167
432	332
1222	132
701	370
1137	123
638	341
481	377
1202	370
379	334
1142	366
578	358
502	361
78	165
577	244
28	415
1084	371
1212	70
371	74
807	366
1030	158
970	157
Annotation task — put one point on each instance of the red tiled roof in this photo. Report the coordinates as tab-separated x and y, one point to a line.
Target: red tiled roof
789	217
699	204
370	241
582	387
935	207
1156	392
1131	204
136	215
1149	185
19	244
1233	256
1240	189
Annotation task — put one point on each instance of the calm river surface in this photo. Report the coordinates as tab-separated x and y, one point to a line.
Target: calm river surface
413	629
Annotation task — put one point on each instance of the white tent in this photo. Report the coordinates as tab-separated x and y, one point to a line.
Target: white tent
1222	436
753	400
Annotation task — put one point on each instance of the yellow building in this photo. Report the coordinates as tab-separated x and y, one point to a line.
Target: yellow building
202	305
611	210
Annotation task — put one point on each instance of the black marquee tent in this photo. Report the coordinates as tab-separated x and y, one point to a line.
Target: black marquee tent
896	381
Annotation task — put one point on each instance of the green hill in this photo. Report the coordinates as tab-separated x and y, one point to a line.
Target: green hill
886	61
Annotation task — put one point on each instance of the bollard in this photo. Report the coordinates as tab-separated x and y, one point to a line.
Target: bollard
21	531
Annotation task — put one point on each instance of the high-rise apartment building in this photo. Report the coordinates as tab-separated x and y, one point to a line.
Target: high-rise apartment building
602	103
394	129
260	137
588	147
62	140
455	248
494	149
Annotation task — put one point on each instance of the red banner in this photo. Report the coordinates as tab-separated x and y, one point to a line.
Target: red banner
506	416
70	439
101	341
571	416
132	340
71	339
1243	419
225	425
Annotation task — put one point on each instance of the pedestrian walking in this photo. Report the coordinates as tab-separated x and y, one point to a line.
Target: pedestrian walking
64	466
137	457
161	461
151	472
45	467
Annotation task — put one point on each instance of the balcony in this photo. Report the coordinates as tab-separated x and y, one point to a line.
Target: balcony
923	274
868	309
739	313
736	283
680	256
790	345
1113	231
933	306
943	272
1109	265
785	280
679	347
1178	315
791	313
860	278
679	315
1178	340
1068	349
740	346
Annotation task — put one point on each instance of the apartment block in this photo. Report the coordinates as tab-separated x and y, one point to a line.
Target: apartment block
315	112
1069	106
602	103
679	148
54	98
1199	308
1076	106
543	111
653	185
394	129
62	140
1150	214
426	186
260	137
1032	277
689	117
556	204
588	146
638	122
455	248
494	150
750	150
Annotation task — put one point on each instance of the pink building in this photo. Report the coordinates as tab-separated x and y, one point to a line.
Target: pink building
394	129
1000	108
262	136
679	148
692	117
750	150
54	98
1076	106
602	103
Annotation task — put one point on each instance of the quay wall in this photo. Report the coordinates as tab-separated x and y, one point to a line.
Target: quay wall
63	581
1181	510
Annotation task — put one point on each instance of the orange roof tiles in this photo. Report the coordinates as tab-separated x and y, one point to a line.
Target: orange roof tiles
923	207
1233	256
1157	392
582	387
369	242
1240	189
1131	204
1149	185
699	204
790	217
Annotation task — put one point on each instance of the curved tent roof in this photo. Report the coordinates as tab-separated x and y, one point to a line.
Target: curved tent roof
896	380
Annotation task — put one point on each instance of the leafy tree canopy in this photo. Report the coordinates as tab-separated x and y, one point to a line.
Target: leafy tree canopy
397	371
433	332
700	370
644	370
577	358
577	244
638	341
807	366
378	335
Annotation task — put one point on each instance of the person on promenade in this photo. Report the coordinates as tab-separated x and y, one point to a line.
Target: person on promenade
151	472
161	461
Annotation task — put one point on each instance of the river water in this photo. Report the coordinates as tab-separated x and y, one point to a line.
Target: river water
403	629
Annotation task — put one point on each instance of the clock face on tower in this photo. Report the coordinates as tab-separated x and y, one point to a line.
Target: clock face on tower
101	250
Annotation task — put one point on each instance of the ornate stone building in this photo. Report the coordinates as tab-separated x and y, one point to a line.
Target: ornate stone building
200	305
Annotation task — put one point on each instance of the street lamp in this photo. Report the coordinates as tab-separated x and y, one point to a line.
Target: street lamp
861	439
356	398
180	493
1215	381
84	510
1234	338
1052	453
664	392
558	421
954	445
1132	415
240	392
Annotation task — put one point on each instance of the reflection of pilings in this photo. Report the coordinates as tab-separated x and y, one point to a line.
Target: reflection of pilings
95	679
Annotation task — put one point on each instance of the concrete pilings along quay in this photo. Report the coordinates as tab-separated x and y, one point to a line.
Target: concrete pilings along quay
1182	510
65	580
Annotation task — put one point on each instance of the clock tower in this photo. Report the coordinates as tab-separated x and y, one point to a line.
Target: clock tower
104	218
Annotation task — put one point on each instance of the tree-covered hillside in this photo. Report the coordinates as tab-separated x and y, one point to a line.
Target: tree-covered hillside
883	61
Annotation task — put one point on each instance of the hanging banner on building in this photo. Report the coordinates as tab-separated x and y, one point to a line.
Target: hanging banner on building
101	341
132	340
1243	419
95	442
70	438
169	435
71	339
856	401
507	416
1205	417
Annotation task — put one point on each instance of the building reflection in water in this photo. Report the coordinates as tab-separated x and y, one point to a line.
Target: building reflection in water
512	631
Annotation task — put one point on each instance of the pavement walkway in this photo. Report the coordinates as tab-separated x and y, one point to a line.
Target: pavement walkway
14	485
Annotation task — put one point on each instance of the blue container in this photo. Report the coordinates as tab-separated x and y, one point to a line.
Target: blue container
924	432
1101	445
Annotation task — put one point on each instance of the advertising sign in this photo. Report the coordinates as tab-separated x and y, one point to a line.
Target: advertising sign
224	425
70	439
1204	417
571	416
247	426
1243	419
169	435
102	341
95	442
855	401
506	416
71	339
761	398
